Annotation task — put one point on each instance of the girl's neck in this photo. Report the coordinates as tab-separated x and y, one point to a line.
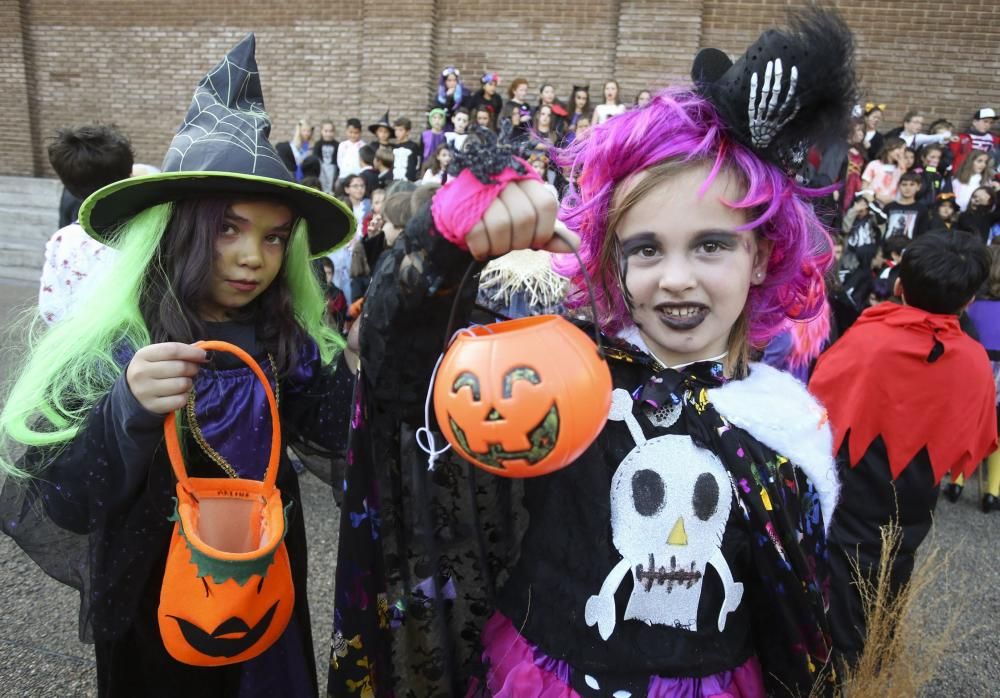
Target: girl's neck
678	367
634	336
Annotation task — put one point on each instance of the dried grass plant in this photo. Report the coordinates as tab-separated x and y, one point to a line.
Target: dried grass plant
900	655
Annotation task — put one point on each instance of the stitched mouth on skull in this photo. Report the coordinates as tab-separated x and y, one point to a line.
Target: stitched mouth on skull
542	438
661	576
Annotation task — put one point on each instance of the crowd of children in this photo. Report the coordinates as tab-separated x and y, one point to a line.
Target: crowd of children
906	182
544	121
695	548
891	189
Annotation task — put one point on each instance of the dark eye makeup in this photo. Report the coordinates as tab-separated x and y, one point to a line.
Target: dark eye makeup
708	240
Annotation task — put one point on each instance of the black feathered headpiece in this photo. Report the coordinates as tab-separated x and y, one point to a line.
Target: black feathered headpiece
790	90
487	154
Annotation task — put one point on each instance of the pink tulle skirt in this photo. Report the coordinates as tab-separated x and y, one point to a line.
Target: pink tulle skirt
516	669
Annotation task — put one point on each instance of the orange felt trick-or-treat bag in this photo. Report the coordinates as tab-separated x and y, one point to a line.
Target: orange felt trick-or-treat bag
227	591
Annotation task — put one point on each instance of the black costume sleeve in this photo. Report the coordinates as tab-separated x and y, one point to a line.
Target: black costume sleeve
408	303
777	608
319	414
427	545
92	515
413	166
103	467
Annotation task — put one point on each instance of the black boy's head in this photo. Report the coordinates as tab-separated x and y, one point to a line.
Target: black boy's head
90	157
401	128
367	155
941	273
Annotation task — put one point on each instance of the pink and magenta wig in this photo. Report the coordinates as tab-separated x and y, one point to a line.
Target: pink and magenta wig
682	126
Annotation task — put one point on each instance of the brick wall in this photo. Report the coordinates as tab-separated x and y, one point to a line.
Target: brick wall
541	42
135	62
16	147
656	42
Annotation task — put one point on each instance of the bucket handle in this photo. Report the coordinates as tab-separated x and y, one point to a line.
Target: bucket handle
170	424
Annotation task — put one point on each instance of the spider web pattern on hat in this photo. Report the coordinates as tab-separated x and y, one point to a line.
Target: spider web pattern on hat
227	108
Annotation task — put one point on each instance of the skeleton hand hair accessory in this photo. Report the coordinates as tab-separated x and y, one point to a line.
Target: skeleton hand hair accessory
770	116
790	90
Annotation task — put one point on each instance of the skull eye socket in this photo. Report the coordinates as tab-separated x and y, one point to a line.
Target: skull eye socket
648	492
705	499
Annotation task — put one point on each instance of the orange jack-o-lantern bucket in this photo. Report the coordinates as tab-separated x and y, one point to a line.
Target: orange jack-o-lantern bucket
227	591
524	397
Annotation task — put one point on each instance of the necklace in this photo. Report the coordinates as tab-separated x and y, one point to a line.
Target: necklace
678	367
199	438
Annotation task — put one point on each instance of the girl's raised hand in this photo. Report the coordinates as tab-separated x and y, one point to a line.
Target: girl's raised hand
522	217
161	375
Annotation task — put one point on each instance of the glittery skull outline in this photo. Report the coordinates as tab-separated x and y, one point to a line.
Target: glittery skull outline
772	114
649	531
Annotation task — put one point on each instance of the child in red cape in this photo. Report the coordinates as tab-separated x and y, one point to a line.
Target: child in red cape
894	434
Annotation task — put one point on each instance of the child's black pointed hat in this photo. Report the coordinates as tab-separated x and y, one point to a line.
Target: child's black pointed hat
221	148
384	121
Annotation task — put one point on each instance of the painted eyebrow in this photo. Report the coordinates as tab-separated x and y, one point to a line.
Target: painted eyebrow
729	235
230	215
639	238
650	237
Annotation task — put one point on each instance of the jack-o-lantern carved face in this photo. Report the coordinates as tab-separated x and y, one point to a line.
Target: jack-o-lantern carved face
524	397
540	436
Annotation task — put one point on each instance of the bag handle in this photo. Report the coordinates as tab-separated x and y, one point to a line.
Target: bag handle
170	424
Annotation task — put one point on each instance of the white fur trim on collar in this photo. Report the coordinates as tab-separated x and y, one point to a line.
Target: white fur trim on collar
775	408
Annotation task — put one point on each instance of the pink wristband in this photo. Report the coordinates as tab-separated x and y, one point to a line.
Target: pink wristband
460	203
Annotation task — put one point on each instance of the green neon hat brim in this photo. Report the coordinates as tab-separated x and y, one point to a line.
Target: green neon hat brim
331	223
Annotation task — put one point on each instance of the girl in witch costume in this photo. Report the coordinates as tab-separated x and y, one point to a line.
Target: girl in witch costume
684	552
215	247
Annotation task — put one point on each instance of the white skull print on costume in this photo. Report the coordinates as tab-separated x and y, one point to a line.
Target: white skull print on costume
670	501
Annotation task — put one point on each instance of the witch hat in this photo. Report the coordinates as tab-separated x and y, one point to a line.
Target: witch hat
384	121
221	148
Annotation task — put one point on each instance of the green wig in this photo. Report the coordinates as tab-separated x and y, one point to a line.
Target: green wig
72	365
